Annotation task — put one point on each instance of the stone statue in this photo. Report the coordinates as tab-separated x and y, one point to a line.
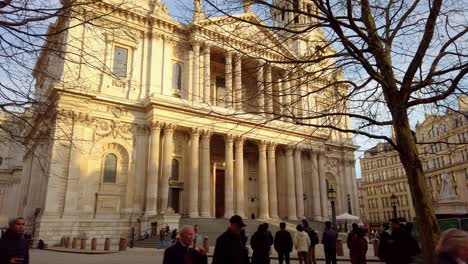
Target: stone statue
447	191
248	6
198	12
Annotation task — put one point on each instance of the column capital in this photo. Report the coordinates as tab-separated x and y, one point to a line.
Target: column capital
168	127
240	139
154	125
194	132
206	47
228	53
229	138
272	146
289	151
262	143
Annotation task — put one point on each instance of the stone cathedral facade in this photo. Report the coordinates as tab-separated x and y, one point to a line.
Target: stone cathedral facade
183	118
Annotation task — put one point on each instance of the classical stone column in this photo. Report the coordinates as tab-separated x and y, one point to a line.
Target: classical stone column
228	178
153	170
228	77
207	76
287	107
196	72
193	176
168	147
205	193
238	81
272	190
323	186
291	192
140	151
299	183
239	176
316	208
355	191
260	89
349	183
262	187
268	92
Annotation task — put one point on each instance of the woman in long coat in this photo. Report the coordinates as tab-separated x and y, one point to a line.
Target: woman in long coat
358	248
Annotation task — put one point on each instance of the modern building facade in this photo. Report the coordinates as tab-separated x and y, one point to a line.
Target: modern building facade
443	150
180	118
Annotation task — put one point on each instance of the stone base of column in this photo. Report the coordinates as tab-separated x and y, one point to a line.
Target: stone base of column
193	215
205	215
228	215
150	214
317	218
263	217
275	217
293	218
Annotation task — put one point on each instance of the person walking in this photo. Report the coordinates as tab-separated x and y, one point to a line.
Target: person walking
162	237
384	243
354	231
14	248
358	247
452	247
313	241
260	246
283	243
400	251
301	244
228	247
329	238
182	252
174	236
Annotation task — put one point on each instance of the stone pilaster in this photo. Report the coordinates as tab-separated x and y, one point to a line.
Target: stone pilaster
207	76
291	190
299	183
268	92
228	177
196	72
153	170
323	186
239	176
205	193
262	181
167	152
228	77
272	189
260	89
193	176
316	208
238	81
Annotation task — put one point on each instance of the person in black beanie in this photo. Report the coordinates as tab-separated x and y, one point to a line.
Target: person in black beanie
14	248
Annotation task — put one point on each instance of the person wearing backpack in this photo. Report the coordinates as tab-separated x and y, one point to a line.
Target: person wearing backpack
314	240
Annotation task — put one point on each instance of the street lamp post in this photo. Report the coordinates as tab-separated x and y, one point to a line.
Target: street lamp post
394	202
332	197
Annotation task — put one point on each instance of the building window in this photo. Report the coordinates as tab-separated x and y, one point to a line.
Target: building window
175	170
120	62
220	90
177	76
110	168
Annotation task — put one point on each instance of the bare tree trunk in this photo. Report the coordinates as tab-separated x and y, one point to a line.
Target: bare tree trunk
426	220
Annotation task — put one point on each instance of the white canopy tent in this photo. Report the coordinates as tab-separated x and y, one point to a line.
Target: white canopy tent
347	217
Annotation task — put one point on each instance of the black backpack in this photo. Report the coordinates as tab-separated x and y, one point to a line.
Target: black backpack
314	240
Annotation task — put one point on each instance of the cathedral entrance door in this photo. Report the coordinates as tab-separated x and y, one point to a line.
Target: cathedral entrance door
174	194
219	196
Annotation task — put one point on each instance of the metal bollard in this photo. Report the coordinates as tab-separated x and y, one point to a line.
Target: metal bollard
339	247
376	247
123	244
93	243
83	243
75	242
67	242
206	244
107	244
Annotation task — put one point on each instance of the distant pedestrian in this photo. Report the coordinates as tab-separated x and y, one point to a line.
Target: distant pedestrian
358	247
162	237
260	246
283	243
198	238
384	243
301	243
228	248
313	241
269	238
14	248
174	236
354	231
182	252
452	247
329	238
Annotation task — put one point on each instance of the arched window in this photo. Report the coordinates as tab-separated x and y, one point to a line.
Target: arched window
110	168
175	170
177	76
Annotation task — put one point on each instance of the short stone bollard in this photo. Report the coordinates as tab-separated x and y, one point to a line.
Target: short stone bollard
376	247
123	244
93	243
339	247
107	244
206	244
62	242
83	243
67	242
75	242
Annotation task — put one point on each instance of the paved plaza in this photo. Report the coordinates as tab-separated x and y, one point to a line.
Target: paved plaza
133	256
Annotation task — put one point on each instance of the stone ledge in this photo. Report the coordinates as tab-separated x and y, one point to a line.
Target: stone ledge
81	251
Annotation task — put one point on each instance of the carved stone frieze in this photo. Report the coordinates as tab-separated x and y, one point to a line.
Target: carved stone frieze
112	128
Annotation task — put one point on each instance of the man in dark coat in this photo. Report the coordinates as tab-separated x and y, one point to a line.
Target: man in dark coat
228	248
351	234
283	243
384	245
182	253
329	238
14	248
260	246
